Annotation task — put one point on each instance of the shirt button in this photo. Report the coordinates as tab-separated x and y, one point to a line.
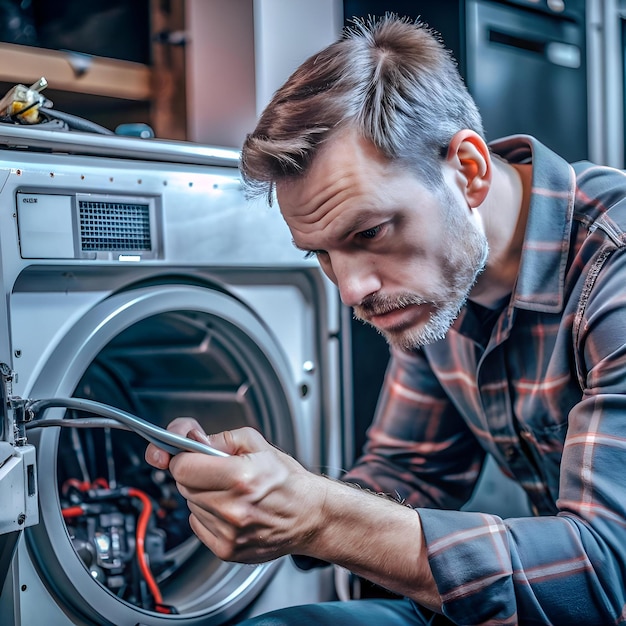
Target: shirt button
511	453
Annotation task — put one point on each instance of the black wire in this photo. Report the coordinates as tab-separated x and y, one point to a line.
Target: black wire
14	117
75	122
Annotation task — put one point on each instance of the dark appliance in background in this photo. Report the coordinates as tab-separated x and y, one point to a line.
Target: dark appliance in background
525	64
526	68
109	28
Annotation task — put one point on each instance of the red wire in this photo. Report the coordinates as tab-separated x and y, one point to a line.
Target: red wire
72	511
74	482
142	527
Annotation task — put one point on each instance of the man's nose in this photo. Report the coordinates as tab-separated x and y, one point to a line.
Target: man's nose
355	278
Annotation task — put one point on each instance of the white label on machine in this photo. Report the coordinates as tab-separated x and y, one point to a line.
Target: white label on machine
45	226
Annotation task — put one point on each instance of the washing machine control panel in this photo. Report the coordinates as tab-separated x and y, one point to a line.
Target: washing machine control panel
87	226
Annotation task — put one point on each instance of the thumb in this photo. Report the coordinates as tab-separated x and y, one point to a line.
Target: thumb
234	442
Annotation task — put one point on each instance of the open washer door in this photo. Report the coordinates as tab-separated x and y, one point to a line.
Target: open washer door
157	351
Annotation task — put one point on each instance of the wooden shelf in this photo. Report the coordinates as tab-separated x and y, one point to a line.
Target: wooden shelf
75	72
106	90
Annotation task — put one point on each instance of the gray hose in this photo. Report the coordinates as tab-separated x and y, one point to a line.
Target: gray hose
116	418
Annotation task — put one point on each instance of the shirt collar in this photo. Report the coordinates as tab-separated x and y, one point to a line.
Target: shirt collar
541	278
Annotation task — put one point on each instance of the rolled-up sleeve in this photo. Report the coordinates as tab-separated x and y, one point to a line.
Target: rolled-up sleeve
520	571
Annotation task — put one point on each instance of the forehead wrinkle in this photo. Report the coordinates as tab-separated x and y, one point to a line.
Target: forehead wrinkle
348	213
325	204
333	194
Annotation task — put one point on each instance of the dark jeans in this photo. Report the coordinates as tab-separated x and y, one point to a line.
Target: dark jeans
376	612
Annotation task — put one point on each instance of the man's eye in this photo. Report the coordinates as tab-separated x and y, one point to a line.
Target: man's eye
370	233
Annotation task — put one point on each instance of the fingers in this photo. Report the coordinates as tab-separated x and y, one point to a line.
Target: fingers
160	459
234	442
200	472
231	540
239	441
182	425
224	543
156	457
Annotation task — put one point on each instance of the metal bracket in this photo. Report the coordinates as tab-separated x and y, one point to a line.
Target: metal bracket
18	476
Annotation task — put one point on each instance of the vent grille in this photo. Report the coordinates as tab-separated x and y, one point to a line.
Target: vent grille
114	226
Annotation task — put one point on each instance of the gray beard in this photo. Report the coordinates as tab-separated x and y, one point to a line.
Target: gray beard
463	275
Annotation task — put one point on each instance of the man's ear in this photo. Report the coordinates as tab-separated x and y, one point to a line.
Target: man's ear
469	156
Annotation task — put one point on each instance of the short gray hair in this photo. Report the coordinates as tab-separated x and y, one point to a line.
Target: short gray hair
391	79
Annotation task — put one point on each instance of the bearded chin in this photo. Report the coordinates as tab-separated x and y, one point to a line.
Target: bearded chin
446	311
434	330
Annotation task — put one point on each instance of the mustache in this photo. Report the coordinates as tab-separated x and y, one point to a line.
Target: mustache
379	304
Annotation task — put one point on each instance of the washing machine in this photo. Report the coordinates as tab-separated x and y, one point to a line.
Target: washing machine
136	274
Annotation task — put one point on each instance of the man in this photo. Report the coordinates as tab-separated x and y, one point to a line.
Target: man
497	274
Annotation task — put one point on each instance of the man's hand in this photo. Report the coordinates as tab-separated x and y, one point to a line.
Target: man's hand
259	504
253	506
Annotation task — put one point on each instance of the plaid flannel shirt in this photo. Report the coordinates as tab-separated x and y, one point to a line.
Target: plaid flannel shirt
542	387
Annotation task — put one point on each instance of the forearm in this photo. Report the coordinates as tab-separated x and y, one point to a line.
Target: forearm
376	538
